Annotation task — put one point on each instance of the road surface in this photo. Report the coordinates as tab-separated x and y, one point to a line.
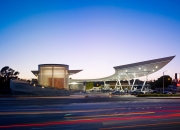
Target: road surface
92	113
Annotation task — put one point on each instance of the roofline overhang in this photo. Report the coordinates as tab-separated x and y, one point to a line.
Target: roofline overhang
123	67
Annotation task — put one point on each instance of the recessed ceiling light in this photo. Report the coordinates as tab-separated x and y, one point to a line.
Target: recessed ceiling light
139	68
156	66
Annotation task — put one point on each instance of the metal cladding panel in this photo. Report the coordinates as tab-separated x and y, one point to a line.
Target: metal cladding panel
144	63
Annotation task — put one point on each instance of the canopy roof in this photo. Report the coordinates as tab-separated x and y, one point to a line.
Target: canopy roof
35	72
73	71
134	70
70	72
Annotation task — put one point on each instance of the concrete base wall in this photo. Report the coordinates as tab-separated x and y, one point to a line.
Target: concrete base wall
37	90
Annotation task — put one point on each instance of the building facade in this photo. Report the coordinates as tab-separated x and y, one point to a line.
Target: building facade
57	75
54	75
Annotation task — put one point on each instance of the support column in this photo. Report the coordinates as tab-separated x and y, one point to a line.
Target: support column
84	86
128	79
104	84
120	85
133	84
116	84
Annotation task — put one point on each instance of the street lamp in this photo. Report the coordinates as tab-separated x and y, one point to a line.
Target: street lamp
163	81
177	77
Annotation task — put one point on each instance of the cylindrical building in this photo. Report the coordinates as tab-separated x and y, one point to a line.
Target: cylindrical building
53	75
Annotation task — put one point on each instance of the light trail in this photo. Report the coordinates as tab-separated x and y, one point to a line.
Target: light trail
140	125
58	109
78	111
105	115
58	112
70	122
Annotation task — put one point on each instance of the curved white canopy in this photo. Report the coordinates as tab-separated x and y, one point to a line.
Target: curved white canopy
134	70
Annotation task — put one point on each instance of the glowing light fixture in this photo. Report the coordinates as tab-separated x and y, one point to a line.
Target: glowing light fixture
74	83
156	66
153	70
139	68
126	70
144	69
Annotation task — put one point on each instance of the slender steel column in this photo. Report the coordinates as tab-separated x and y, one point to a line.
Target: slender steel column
133	84
116	84
120	85
128	79
104	84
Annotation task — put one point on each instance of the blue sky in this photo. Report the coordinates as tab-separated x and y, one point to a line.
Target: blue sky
93	35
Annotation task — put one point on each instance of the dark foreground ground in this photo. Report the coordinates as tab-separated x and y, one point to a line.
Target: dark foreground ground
95	112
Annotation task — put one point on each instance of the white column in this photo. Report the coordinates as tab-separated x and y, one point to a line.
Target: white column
84	86
120	84
116	84
133	84
104	84
128	79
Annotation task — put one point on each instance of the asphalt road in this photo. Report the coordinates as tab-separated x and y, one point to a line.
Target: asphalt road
92	113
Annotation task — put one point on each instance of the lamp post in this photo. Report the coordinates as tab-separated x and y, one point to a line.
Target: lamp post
178	77
163	80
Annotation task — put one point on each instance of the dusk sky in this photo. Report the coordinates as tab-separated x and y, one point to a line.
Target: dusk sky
93	35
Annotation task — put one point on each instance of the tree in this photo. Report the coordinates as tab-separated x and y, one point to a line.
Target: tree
89	85
167	81
6	74
152	83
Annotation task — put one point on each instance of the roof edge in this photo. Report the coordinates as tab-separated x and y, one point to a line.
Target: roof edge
144	62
